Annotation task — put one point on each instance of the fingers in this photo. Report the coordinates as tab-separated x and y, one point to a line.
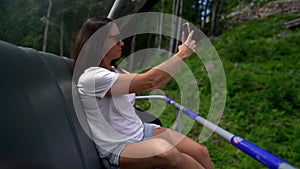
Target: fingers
183	37
189	38
189	45
189	42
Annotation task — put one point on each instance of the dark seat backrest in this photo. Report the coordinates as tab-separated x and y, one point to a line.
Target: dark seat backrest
39	127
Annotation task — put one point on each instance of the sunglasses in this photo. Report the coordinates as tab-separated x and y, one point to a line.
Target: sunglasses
116	37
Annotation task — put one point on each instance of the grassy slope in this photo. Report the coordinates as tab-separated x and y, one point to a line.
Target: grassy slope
263	91
262	64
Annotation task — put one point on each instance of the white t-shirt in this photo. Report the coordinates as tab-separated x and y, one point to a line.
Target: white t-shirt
112	119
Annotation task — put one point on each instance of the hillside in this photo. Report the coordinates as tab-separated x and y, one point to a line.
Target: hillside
261	59
261	9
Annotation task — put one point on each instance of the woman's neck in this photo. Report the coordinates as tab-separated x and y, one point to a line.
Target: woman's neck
105	63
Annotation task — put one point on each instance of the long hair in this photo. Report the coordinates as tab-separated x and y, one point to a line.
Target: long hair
89	45
87	30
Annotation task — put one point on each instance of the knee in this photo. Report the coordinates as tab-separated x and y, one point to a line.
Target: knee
170	158
202	150
160	146
167	154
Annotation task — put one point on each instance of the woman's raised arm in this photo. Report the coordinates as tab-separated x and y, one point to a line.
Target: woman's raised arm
156	77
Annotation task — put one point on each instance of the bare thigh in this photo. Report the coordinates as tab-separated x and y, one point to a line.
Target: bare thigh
185	145
155	153
143	154
177	139
167	149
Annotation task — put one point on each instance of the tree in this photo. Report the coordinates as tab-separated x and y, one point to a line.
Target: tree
47	25
22	26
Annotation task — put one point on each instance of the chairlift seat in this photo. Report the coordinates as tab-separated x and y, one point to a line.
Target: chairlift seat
39	126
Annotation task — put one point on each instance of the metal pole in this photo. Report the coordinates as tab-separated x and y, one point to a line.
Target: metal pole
114	8
269	160
257	153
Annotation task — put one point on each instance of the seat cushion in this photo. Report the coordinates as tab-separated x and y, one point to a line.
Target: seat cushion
39	128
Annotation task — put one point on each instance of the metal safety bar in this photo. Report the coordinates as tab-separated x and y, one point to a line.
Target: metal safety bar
266	158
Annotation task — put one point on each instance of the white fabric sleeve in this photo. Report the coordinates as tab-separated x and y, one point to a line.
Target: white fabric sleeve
96	81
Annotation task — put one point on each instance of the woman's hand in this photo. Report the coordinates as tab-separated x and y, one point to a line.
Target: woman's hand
188	47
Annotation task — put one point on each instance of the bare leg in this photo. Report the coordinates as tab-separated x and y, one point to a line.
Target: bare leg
185	145
155	153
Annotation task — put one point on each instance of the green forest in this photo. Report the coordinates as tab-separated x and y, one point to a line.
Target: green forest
260	56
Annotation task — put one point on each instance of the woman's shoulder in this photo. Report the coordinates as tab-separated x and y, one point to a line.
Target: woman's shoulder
95	70
119	70
97	73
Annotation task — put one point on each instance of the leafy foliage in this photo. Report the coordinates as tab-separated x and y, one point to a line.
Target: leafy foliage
261	61
21	22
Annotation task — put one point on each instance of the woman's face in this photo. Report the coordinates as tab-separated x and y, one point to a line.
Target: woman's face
113	38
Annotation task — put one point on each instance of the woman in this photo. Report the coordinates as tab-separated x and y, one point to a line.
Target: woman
107	94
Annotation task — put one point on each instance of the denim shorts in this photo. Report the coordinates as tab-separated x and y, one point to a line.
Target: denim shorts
112	160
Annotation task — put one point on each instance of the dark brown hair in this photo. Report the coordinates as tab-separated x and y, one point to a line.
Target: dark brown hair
87	30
